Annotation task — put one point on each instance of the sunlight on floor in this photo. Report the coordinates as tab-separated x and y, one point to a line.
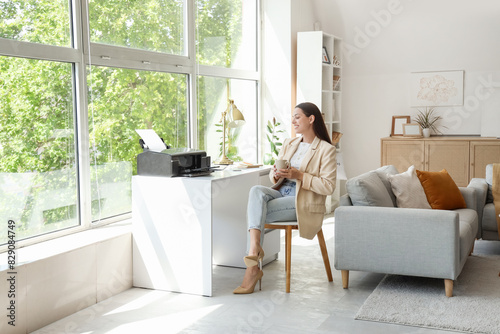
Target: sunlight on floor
169	323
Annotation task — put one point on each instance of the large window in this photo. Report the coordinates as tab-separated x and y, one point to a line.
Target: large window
227	33
79	77
212	101
38	179
154	25
37	21
122	100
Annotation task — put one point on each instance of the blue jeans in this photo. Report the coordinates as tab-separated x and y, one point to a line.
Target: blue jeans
268	205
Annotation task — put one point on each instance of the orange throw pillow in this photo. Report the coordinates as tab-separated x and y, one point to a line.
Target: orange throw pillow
441	191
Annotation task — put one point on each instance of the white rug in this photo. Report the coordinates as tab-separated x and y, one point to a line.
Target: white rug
417	301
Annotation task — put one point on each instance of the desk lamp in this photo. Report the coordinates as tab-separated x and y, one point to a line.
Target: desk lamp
234	119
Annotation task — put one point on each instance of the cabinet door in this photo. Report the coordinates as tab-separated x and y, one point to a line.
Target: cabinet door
450	155
481	154
403	153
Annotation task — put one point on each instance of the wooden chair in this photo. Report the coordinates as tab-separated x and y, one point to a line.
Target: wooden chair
288	226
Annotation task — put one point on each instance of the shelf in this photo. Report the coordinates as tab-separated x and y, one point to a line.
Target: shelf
315	79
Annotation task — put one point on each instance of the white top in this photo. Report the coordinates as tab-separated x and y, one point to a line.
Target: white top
299	156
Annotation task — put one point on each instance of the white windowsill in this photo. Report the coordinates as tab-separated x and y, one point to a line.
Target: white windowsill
66	243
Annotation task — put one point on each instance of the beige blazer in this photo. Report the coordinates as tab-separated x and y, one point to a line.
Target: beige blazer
320	173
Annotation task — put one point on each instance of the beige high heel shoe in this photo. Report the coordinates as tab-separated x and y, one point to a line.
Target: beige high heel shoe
252	261
242	291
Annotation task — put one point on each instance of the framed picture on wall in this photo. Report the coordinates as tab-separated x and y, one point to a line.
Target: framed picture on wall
431	89
326	59
397	125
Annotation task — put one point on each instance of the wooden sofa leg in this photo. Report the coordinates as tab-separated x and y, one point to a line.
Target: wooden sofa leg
345	278
448	287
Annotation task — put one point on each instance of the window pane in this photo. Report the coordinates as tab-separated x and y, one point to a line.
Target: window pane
153	25
121	101
38	182
37	21
241	142
227	33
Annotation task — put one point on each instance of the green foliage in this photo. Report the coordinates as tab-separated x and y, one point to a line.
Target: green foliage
154	25
37	21
273	139
427	120
219	31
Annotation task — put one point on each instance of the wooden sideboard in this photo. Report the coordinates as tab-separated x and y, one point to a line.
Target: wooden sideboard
463	157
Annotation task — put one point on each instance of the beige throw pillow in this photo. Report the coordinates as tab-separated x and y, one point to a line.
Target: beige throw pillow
408	190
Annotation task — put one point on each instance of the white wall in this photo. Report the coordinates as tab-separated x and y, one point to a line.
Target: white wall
386	40
282	19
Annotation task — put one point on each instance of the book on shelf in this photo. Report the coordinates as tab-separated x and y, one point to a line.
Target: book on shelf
336	137
336	80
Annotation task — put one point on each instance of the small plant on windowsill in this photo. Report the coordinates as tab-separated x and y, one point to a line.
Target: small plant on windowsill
428	120
274	141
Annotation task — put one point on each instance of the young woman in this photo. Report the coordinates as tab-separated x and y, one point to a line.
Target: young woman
301	196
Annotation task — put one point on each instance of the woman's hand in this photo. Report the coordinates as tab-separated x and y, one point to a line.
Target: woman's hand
290	173
275	171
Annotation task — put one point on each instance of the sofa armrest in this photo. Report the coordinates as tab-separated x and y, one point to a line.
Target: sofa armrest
400	241
481	188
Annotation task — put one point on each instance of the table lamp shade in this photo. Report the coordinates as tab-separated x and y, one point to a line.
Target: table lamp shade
235	117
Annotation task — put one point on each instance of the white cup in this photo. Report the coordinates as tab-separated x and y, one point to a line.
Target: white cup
282	164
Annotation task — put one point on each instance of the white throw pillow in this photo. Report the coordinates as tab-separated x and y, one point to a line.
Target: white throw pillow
408	190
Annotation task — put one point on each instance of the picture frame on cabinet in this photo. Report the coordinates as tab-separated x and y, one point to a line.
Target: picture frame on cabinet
412	130
326	59
397	125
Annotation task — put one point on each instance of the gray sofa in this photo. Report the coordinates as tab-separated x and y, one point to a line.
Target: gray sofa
403	241
488	229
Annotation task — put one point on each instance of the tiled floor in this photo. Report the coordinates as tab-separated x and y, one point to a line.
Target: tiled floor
313	306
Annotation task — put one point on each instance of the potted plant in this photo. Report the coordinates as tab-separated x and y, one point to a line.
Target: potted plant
274	141
427	120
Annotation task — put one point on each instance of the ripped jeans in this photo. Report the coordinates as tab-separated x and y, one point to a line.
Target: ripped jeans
269	205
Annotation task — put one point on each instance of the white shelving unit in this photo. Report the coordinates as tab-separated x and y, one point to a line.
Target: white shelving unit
319	82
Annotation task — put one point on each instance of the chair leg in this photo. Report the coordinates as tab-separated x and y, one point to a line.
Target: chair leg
286	247
288	256
448	287
324	253
345	278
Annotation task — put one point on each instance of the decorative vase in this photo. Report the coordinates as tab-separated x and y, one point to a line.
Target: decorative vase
426	132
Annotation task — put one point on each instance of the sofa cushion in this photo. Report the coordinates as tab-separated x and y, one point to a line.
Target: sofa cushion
368	190
408	190
384	172
441	191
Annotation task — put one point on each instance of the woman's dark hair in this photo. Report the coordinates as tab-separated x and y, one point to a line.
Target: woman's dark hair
319	126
